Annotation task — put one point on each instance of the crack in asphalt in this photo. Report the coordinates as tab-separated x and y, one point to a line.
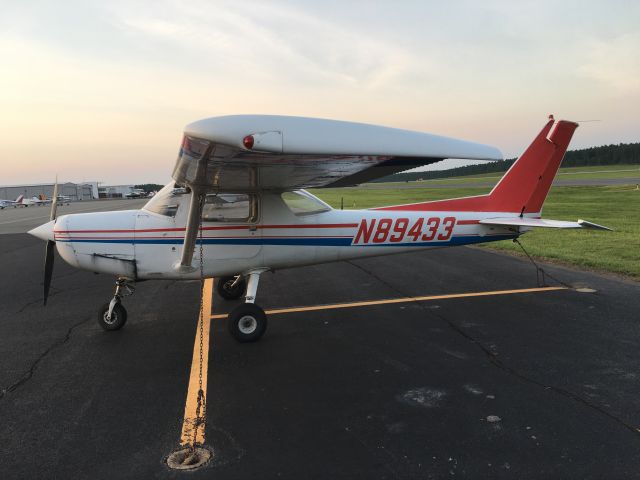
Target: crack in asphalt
495	361
52	293
29	373
28	304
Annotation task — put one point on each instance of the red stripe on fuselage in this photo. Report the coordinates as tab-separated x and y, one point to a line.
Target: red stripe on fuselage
231	227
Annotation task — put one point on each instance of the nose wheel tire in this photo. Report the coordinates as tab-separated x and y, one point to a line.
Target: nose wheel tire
118	317
247	323
226	289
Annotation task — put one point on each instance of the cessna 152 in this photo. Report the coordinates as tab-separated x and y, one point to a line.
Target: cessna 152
237	194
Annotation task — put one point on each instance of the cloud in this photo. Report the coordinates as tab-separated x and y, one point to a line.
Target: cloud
615	63
257	39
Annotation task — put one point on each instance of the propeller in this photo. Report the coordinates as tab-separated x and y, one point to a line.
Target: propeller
50	248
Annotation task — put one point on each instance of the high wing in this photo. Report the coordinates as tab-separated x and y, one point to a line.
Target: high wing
244	153
260	152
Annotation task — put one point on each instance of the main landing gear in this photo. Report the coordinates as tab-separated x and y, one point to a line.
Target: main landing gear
247	322
231	288
112	315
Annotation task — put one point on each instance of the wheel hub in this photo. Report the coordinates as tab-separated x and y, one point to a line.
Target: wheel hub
247	324
112	320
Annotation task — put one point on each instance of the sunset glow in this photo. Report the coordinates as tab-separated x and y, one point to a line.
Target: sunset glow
102	90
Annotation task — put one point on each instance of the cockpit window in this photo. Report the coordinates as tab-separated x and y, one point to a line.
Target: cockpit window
230	207
165	202
223	207
303	203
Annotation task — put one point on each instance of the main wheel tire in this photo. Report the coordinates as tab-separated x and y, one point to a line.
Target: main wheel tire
228	292
118	317
247	323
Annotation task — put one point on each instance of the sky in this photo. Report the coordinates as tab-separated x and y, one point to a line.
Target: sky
101	90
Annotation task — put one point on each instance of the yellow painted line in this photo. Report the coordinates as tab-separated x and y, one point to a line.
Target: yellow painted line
194	384
402	300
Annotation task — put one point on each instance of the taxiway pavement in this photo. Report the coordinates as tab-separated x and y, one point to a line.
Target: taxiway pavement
23	219
533	385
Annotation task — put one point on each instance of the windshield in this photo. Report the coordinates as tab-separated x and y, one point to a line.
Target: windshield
301	202
165	202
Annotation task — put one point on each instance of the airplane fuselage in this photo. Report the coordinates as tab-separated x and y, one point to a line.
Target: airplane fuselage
143	244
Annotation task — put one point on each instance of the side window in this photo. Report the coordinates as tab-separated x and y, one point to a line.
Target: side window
230	207
303	203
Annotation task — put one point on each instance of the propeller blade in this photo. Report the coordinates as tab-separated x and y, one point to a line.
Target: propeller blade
48	267
54	201
51	245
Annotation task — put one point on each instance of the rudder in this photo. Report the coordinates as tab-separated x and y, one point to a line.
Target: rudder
525	186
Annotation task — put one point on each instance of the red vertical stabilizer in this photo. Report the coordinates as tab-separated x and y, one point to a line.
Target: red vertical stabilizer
526	184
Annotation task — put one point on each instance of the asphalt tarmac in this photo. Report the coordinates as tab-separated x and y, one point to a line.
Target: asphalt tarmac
522	385
22	219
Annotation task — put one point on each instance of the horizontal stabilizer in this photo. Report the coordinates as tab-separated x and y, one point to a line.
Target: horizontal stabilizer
540	222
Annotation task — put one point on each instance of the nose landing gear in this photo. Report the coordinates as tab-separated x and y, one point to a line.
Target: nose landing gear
247	322
112	315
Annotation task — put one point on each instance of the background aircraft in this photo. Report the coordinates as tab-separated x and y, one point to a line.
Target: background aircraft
35	200
11	203
136	193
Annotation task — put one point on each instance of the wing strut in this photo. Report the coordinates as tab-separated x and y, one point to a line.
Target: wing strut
191	233
194	218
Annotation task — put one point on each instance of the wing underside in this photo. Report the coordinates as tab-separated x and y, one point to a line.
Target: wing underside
288	153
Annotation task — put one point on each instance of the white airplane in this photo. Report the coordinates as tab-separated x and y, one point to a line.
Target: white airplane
35	200
236	207
136	193
11	203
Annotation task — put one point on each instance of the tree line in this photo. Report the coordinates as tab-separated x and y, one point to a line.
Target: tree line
149	187
622	153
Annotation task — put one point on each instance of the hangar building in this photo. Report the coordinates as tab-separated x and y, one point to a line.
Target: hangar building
75	191
115	191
